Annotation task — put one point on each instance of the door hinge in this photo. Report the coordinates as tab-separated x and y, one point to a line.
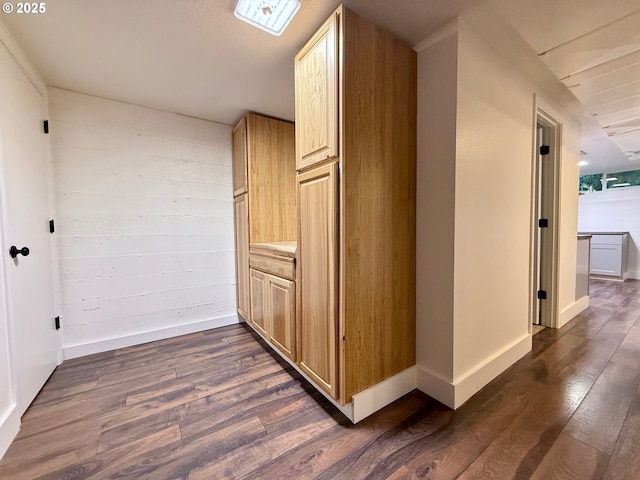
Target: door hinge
45	124
57	320
544	150
52	226
542	294
543	223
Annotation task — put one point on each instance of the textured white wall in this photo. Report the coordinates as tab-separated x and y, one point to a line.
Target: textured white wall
144	222
614	210
474	292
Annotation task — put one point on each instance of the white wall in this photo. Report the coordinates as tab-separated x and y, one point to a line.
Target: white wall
488	324
144	222
614	210
435	197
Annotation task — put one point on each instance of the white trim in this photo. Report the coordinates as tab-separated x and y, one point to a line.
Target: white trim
633	274
436	387
9	427
443	32
74	351
454	394
572	310
22	60
382	394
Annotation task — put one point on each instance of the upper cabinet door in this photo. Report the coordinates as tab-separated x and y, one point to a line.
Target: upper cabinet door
316	70
239	137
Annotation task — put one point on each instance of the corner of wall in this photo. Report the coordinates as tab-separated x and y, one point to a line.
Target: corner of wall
572	310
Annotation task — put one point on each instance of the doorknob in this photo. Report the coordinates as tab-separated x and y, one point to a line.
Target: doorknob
14	251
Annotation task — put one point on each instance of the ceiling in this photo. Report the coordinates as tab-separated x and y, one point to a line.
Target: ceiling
593	48
194	57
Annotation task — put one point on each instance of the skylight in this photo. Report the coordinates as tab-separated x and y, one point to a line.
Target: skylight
272	16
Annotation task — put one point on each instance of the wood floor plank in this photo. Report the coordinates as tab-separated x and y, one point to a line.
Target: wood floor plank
312	458
518	450
571	459
107	463
599	419
625	458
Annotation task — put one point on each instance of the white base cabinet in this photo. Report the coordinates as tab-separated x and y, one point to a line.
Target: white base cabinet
609	255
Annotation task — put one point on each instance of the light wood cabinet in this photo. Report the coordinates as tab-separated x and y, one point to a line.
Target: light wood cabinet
239	157
356	212
317	274
264	183
281	301
273	299
317	79
258	282
241	227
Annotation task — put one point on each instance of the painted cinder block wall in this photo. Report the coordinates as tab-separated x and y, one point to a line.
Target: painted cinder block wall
144	222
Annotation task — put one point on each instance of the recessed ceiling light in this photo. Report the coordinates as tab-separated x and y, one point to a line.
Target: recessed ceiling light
612	179
583	163
272	16
621	185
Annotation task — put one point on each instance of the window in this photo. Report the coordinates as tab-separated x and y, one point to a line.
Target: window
590	183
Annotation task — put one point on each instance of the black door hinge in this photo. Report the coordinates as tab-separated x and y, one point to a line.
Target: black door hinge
544	150
52	226
57	320
542	294
45	124
543	223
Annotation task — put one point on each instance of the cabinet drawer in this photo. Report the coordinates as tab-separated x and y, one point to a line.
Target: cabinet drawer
279	266
606	239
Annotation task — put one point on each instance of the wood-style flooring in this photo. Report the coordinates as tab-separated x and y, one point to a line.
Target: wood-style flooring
217	404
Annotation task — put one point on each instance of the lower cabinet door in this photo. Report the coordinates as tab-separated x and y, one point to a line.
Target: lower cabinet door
258	282
241	224
317	275
282	315
606	260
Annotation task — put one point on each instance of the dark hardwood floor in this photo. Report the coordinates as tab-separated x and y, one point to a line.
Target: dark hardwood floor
217	405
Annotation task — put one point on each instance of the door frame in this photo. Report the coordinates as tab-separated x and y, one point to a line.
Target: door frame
549	264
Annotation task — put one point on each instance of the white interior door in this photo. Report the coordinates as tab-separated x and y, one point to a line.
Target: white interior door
25	187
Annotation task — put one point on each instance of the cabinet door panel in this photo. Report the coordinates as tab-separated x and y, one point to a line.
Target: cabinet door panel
317	275
317	97
239	157
258	301
241	224
282	315
606	260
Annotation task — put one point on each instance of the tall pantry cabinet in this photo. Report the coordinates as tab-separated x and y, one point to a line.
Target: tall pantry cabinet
264	196
355	159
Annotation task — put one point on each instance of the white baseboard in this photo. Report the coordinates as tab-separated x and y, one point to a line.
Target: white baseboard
382	394
454	394
572	310
9	427
74	351
633	274
436	387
